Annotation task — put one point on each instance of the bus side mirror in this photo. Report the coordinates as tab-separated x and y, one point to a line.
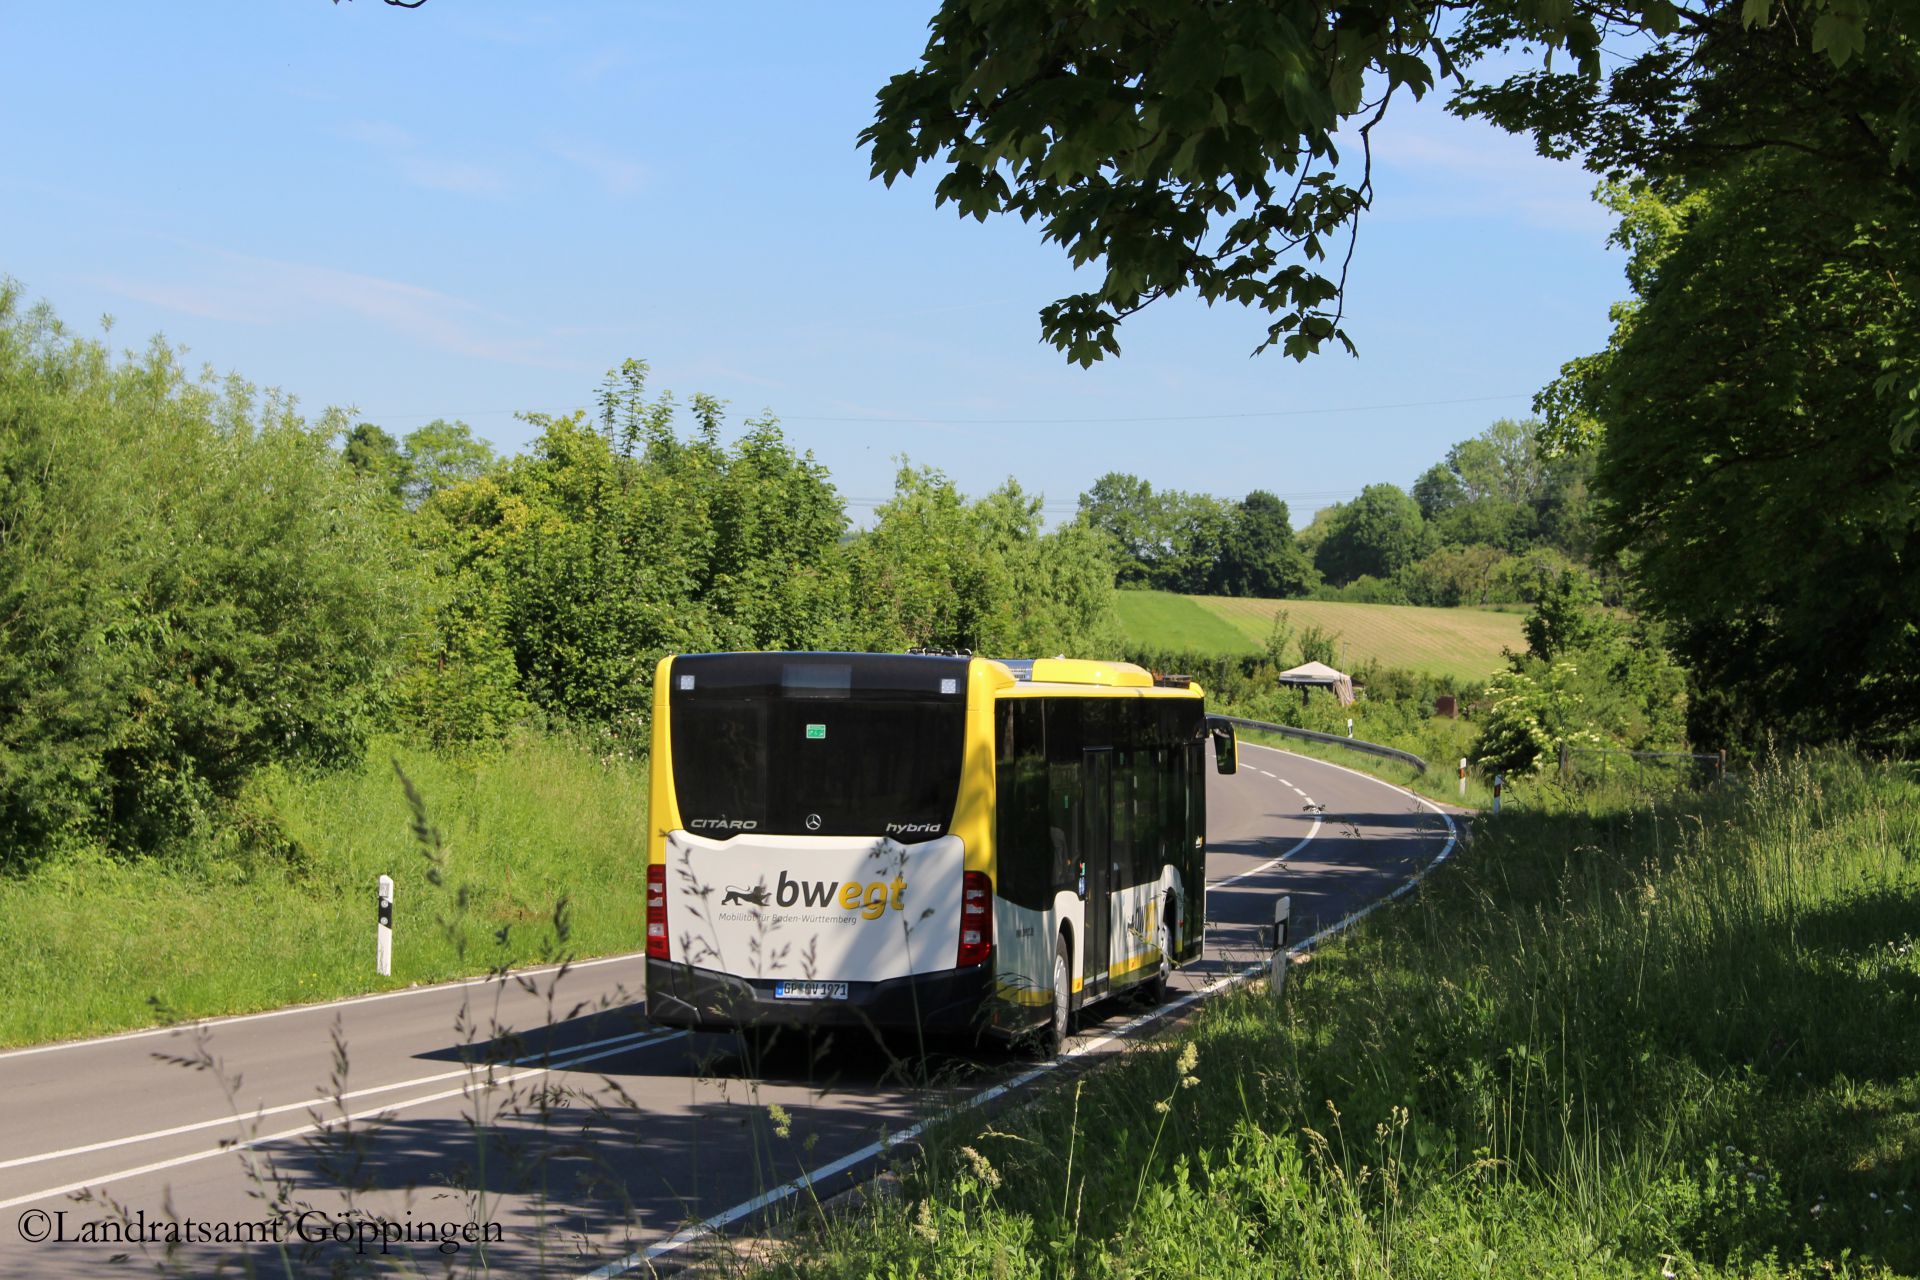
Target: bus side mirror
1226	748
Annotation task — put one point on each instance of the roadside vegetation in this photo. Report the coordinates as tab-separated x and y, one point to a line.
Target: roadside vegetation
276	906
1676	1037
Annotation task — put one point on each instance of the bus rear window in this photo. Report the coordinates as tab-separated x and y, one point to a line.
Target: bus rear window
816	759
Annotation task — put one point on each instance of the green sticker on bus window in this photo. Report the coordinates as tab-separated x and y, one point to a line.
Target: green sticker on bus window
816	731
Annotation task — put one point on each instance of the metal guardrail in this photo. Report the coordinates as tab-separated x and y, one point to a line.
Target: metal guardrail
1331	739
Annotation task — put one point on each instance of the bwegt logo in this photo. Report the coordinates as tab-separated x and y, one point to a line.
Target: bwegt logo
871	900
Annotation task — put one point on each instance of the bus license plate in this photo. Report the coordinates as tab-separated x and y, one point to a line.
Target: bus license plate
810	990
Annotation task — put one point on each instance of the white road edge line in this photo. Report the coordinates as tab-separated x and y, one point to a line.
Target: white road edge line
331	1122
308	1105
197	1023
727	1217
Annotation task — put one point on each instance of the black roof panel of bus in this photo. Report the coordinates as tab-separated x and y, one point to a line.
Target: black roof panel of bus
817	675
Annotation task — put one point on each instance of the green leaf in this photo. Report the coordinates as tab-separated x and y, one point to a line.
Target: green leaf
1838	36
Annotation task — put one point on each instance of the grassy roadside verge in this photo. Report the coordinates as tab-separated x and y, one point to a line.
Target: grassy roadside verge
1676	1040
279	909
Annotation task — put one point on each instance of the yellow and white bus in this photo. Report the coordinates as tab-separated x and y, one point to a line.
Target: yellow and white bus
932	841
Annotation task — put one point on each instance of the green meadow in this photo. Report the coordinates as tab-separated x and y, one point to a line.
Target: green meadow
1464	644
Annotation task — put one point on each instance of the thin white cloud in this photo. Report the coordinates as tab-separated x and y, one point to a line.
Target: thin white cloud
595	69
451	175
189	299
381	134
420	167
297	295
618	174
1434	166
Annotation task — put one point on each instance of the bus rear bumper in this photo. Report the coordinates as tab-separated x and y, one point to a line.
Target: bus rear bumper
950	1002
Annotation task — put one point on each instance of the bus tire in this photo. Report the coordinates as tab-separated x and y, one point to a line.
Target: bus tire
1059	1025
1153	991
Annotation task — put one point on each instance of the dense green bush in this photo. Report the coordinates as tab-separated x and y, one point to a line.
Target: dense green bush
561	576
567	572
190	587
937	570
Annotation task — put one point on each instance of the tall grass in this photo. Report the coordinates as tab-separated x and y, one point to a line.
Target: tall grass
1678	1038
276	906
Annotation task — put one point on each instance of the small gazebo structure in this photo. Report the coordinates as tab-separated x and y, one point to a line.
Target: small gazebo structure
1318	675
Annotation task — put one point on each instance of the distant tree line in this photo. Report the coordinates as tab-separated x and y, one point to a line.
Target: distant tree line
1492	522
1196	543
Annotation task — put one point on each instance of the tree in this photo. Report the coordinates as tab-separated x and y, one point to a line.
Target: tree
922	573
1452	575
1180	146
1184	146
1566	616
1829	88
615	542
439	456
1772	528
374	455
936	570
1259	556
1438	491
1376	534
1124	508
191	588
1170	540
1196	527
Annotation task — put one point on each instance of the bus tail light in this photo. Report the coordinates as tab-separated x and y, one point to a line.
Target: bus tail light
657	912
976	918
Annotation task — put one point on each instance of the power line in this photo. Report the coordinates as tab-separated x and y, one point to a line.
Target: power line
1063	506
1030	422
1171	417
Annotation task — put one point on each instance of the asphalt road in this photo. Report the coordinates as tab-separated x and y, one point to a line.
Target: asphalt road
545	1106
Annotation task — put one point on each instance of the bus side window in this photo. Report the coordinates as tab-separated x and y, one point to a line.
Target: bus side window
1148	827
1196	791
1168	796
1065	790
1024	848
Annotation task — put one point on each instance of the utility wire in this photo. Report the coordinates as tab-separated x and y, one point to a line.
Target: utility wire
1171	417
1029	422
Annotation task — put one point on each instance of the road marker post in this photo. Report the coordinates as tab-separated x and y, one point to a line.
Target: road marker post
1463	777
1349	726
1282	924
1499	780
383	930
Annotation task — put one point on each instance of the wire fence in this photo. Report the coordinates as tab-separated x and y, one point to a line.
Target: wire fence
1600	765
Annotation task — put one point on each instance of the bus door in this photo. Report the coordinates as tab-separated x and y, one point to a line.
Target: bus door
1096	855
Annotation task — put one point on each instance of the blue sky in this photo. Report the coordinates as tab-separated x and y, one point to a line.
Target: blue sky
477	208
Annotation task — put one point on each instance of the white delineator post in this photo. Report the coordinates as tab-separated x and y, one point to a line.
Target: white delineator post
1498	780
1277	967
1463	777
383	931
1349	726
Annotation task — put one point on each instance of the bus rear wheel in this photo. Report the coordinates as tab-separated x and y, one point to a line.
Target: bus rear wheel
1053	1036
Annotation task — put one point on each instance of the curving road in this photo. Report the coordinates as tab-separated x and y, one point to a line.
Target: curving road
542	1104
